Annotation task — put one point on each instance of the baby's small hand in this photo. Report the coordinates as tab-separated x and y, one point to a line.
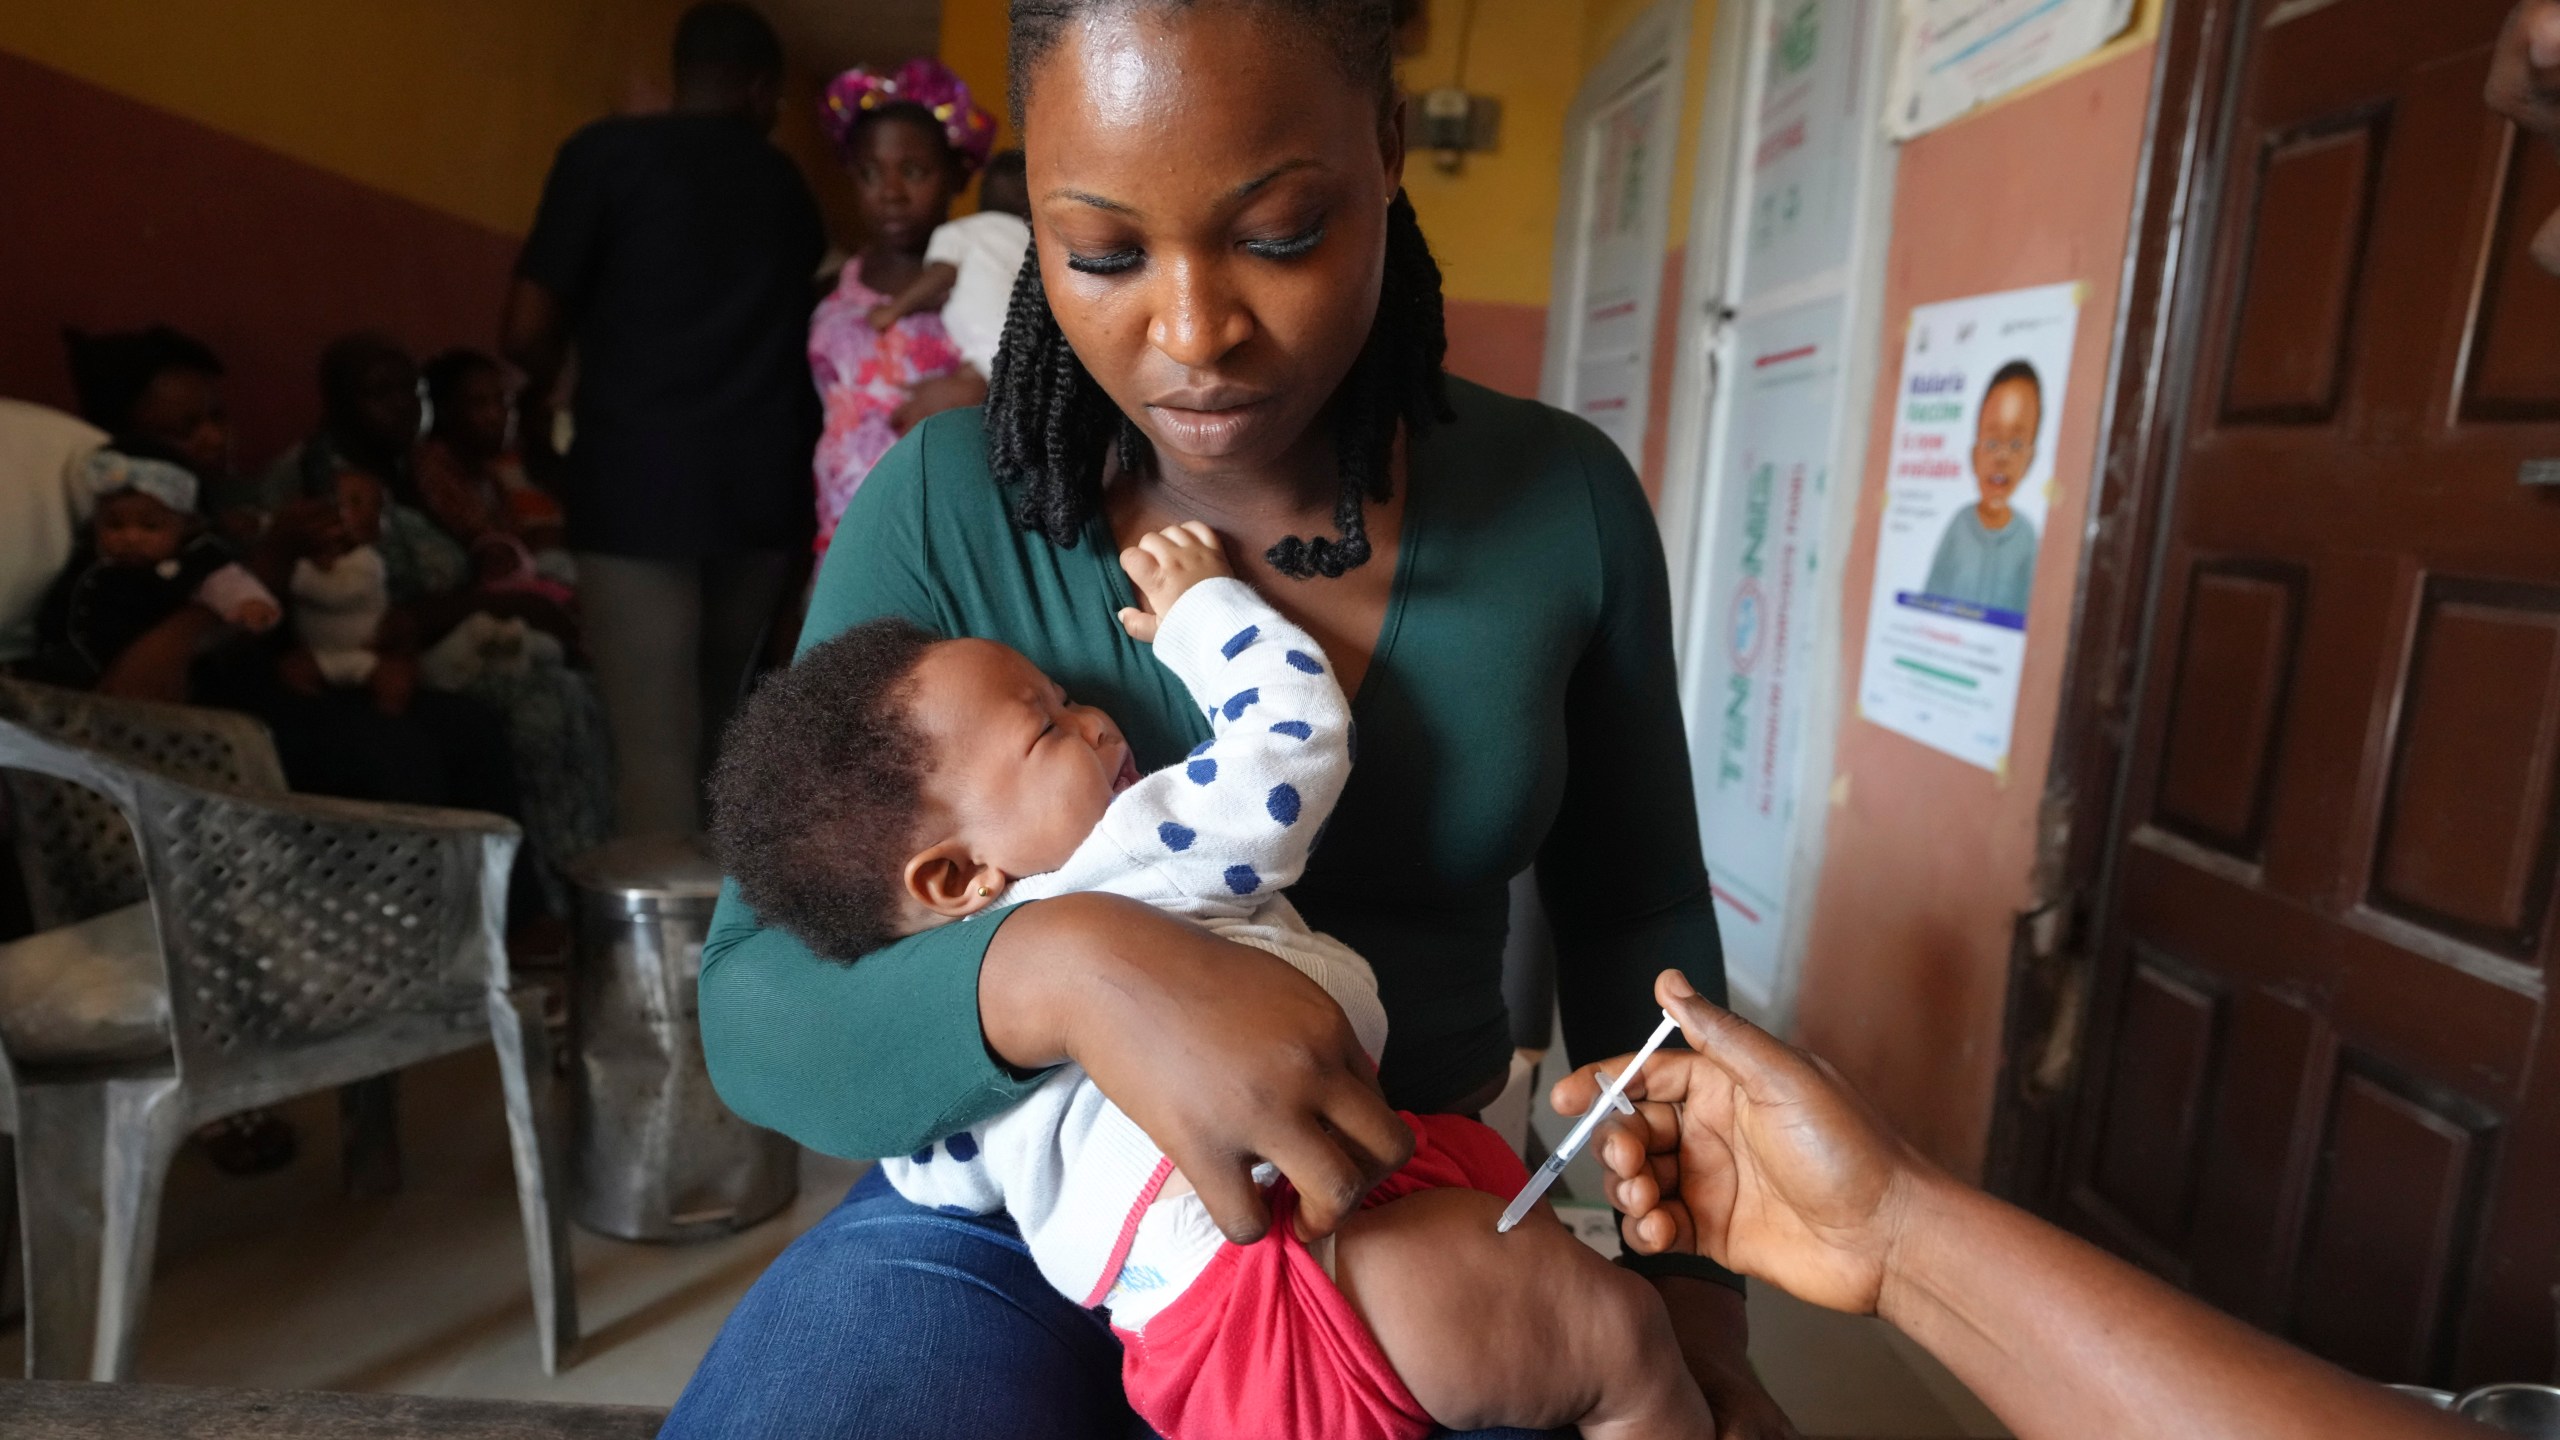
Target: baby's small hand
256	616
1166	564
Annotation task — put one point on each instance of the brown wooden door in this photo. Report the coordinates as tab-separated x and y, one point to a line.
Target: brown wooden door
2321	1085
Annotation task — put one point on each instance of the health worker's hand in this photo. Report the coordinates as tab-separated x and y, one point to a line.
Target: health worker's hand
2524	86
1754	1154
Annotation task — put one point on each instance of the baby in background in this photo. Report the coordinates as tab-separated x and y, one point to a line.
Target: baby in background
342	587
970	265
146	556
892	781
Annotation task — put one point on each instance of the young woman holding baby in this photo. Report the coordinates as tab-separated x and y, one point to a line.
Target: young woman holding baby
1231	318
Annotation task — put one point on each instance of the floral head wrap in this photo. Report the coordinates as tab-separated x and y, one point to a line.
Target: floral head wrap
923	82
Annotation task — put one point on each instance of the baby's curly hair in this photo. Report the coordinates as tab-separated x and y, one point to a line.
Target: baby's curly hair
814	799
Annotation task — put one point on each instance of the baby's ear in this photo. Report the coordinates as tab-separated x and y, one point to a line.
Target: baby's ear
949	882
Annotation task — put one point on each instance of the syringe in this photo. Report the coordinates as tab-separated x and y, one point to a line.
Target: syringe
1612	1097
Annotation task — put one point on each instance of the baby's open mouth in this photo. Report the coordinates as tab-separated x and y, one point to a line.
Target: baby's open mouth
1128	775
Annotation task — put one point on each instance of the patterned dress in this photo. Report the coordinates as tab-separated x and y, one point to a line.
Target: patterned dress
863	377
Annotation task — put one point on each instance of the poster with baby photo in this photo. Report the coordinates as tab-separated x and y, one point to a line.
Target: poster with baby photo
1966	496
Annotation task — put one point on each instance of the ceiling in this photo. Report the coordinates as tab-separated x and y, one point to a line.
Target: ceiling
825	36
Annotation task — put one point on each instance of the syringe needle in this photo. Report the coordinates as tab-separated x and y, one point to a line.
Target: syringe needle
1612	1097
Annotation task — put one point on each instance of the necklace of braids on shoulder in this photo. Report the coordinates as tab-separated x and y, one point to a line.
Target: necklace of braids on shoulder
1050	428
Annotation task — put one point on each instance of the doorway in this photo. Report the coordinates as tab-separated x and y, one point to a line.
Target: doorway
1610	232
2313	732
1770	396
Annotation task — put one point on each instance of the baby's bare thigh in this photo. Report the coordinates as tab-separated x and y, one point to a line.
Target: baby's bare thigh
1530	1328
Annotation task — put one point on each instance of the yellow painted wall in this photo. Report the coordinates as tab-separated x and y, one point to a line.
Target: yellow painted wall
457	105
1493	224
973	45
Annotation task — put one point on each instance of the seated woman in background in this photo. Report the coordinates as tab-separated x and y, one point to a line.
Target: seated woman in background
159	391
510	651
369	418
471	483
157	384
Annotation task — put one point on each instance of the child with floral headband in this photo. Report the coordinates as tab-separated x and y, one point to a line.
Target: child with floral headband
970	266
911	141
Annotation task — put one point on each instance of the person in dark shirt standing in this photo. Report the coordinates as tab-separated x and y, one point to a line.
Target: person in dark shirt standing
676	254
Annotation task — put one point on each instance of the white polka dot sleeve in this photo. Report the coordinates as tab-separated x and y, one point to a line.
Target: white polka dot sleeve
1231	825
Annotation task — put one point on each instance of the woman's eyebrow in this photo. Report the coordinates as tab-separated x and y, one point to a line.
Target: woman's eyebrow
1098	202
1104	202
1286	167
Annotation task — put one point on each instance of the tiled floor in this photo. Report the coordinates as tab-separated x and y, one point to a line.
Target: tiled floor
281	1282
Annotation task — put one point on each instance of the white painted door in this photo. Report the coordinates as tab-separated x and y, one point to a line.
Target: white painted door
1610	234
1778	361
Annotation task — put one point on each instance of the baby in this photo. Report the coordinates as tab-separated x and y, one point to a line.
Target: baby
970	265
147	556
977	783
342	588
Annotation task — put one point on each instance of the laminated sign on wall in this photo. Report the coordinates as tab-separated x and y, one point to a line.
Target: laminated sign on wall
1968	487
1956	54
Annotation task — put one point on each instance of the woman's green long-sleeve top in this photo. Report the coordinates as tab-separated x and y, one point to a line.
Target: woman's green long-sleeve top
1520	708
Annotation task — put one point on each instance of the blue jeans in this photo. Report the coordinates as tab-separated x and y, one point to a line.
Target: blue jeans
891	1319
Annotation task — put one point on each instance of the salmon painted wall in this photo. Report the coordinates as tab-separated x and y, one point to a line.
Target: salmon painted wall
147	217
1929	859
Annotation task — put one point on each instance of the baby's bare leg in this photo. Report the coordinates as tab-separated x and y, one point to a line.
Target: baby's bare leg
1531	1328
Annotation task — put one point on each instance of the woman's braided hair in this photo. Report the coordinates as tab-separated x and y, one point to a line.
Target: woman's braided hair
1048	422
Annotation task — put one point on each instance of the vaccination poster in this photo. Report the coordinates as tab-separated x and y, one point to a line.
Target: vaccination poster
1956	54
1969	485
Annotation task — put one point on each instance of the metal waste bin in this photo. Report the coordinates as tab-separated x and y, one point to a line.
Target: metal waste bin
659	1157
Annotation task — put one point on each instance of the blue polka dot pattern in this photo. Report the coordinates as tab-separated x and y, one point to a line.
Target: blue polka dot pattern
1282	802
1243	637
963	1147
1176	838
1201	771
1301	660
1294	729
923	1156
1237	703
1242	880
1203	747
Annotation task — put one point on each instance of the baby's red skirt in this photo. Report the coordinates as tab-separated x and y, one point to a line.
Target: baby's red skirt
1262	1346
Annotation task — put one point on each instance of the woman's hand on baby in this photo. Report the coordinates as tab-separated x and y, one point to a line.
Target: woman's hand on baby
1222	1054
1165	564
1755	1154
256	616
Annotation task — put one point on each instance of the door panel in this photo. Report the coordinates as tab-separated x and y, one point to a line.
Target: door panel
2146	1164
2466	830
2313	1094
2306	251
2514	371
2226	703
2390	1227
